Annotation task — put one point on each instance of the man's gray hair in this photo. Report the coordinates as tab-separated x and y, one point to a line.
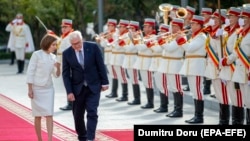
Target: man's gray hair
75	34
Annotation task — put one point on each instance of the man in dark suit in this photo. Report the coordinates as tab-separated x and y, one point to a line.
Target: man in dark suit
84	76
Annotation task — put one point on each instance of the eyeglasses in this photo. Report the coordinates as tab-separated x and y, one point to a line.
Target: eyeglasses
77	43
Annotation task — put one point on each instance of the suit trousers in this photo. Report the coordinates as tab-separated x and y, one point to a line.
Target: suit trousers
86	101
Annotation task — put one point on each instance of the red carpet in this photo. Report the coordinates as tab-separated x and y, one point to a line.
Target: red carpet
14	128
119	135
16	124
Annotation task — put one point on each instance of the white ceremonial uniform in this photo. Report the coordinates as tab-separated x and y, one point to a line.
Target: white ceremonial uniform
170	64
195	63
117	57
241	72
108	53
212	68
108	47
129	60
20	39
143	62
157	53
226	72
39	74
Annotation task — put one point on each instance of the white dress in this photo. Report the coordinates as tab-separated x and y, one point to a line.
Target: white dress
39	73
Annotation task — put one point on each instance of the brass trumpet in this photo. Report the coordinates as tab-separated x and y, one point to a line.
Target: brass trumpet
136	37
167	35
157	36
184	32
181	13
102	35
165	8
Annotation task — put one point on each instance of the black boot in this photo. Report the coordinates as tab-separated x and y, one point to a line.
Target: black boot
224	114
248	116
237	115
12	58
164	104
150	98
137	95
207	85
67	107
19	66
199	108
124	93
185	82
178	105
114	89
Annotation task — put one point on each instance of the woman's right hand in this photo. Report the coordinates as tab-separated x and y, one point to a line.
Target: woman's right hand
30	94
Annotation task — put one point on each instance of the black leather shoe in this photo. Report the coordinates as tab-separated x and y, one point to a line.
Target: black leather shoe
161	110
122	99
175	114
212	95
65	108
134	102
195	120
147	106
111	96
206	91
19	72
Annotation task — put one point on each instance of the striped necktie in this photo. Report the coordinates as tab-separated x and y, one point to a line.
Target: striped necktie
81	60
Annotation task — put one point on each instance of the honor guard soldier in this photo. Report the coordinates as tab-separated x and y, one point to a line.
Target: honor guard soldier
129	60
187	25
105	39
64	43
20	40
170	65
195	58
226	72
241	73
206	13
155	63
214	54
117	57
144	59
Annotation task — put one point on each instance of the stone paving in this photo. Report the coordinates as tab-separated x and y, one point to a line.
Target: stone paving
112	114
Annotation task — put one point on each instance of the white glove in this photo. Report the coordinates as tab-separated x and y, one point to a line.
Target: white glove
227	22
219	32
211	22
241	22
19	20
14	21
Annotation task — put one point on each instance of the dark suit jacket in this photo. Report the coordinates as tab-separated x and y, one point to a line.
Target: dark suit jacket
94	72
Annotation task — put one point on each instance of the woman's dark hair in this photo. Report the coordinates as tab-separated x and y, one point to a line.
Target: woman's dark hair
46	41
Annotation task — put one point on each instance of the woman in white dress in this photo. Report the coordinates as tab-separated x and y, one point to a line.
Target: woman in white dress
42	66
